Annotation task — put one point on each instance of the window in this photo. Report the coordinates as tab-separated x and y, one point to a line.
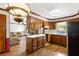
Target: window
61	26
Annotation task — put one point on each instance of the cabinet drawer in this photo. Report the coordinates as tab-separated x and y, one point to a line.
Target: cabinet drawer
34	41
34	47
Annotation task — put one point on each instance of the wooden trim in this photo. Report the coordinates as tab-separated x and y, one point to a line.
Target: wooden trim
55	18
64	17
5	10
13	7
40	15
37	14
5	29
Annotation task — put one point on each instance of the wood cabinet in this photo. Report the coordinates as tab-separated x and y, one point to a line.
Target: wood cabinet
2	32
58	39
29	45
34	24
40	42
49	38
33	44
44	41
50	25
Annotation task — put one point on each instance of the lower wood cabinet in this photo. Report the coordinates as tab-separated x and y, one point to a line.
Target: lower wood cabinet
44	41
49	38
33	44
40	42
29	45
59	39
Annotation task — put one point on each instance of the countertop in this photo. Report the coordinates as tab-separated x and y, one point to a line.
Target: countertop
64	34
36	35
55	32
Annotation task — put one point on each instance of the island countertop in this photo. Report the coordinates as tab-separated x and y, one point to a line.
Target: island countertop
36	35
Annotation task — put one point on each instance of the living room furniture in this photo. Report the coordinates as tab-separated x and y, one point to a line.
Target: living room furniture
14	39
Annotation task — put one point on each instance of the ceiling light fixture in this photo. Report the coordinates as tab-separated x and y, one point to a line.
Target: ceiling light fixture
54	11
18	18
17	11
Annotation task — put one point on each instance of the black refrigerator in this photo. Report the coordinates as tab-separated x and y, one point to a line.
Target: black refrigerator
73	38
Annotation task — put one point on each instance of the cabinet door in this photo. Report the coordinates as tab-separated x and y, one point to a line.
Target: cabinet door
56	39
44	41
34	45
64	40
52	25
29	44
49	38
52	38
2	32
40	42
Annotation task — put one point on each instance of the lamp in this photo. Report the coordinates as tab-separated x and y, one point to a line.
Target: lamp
18	11
18	18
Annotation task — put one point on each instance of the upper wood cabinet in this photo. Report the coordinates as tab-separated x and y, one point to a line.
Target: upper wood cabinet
50	25
34	23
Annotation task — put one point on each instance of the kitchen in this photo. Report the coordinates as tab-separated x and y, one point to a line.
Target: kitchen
51	33
50	30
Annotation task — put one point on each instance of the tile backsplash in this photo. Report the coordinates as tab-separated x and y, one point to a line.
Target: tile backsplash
54	31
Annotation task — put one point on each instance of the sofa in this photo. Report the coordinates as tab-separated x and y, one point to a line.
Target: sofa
14	39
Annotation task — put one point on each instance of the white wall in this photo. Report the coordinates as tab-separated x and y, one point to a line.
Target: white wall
2	5
15	27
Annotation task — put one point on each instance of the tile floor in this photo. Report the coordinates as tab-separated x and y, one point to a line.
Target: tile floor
50	50
16	49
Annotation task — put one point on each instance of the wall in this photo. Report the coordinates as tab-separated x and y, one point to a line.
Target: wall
2	5
15	27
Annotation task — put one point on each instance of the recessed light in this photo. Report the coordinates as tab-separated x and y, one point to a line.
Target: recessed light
54	11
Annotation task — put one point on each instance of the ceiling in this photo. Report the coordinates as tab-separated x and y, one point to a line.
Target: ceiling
54	10
49	10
